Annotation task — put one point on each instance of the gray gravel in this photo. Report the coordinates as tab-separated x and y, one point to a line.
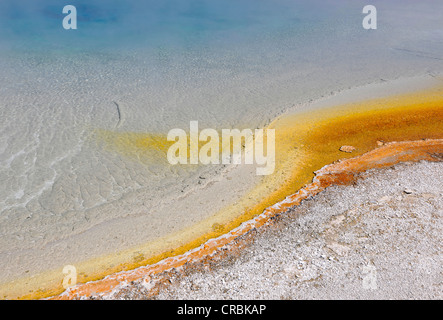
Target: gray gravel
380	238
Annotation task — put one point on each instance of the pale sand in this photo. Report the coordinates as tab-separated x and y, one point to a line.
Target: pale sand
101	247
381	238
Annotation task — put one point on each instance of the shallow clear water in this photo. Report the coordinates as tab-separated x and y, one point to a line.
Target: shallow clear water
226	63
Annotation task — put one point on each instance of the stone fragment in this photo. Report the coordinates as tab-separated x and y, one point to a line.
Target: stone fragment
348	149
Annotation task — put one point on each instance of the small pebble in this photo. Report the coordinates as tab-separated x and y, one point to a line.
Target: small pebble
348	149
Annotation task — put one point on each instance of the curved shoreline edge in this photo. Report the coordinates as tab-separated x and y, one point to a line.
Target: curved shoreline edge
308	140
340	172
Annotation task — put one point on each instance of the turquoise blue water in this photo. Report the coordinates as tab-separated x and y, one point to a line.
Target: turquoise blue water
178	57
110	25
